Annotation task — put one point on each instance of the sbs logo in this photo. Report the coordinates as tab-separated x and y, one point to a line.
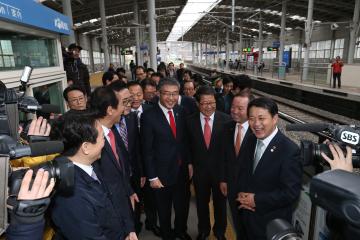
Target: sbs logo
350	137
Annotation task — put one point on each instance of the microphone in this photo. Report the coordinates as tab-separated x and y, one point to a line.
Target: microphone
45	108
30	104
308	127
36	149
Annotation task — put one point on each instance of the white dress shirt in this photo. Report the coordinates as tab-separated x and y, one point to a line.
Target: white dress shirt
106	133
268	139
245	127
86	168
202	121
140	110
166	112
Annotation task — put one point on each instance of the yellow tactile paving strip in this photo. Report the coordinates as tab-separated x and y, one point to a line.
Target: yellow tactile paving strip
230	232
95	79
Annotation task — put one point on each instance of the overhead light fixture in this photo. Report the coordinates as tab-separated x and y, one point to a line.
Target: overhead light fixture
192	12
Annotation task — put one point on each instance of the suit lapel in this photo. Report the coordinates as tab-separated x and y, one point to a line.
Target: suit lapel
269	151
199	130
111	155
215	129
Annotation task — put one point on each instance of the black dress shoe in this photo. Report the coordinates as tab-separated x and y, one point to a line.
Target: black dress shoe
202	236
220	237
155	229
183	236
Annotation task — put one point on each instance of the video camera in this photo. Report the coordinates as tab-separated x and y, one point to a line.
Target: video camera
343	135
336	191
61	169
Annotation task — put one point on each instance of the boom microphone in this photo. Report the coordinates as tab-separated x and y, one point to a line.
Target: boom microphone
36	149
45	108
308	127
30	104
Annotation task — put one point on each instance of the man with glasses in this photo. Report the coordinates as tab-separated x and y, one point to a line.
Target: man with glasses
138	107
140	73
166	158
129	142
150	92
75	97
206	144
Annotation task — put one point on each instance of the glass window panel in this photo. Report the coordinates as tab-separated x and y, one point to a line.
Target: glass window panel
313	46
312	54
328	44
19	50
320	54
327	54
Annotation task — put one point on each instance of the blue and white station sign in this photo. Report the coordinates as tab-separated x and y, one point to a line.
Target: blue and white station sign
29	12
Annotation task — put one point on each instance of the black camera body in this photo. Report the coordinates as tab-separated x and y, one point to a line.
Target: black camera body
343	135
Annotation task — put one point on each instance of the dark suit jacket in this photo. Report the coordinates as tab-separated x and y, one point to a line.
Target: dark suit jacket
276	181
189	105
207	161
164	155
231	166
88	213
116	180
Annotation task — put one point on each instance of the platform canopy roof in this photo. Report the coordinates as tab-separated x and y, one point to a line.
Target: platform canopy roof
121	23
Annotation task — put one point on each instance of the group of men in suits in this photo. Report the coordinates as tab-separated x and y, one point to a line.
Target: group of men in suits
153	150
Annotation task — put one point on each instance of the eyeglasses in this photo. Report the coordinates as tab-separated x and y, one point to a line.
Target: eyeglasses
208	104
127	101
170	94
77	100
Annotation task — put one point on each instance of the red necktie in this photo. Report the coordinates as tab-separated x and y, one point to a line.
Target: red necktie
207	132
172	123
238	139
113	144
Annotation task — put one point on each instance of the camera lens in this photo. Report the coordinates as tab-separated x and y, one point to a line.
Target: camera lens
307	152
60	168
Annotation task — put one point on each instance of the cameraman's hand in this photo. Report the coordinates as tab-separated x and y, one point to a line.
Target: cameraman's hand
39	127
38	189
339	161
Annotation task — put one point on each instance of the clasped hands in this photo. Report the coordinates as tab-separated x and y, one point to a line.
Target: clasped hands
246	200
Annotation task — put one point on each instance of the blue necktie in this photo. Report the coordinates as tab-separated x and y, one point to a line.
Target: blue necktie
123	132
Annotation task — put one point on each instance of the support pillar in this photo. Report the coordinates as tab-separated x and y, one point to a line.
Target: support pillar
137	32
206	50
227	49
66	4
193	52
152	33
354	30
282	32
240	42
217	50
104	34
91	54
308	32
260	40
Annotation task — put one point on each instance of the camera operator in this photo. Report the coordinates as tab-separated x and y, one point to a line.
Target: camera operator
30	228
76	71
340	161
22	227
